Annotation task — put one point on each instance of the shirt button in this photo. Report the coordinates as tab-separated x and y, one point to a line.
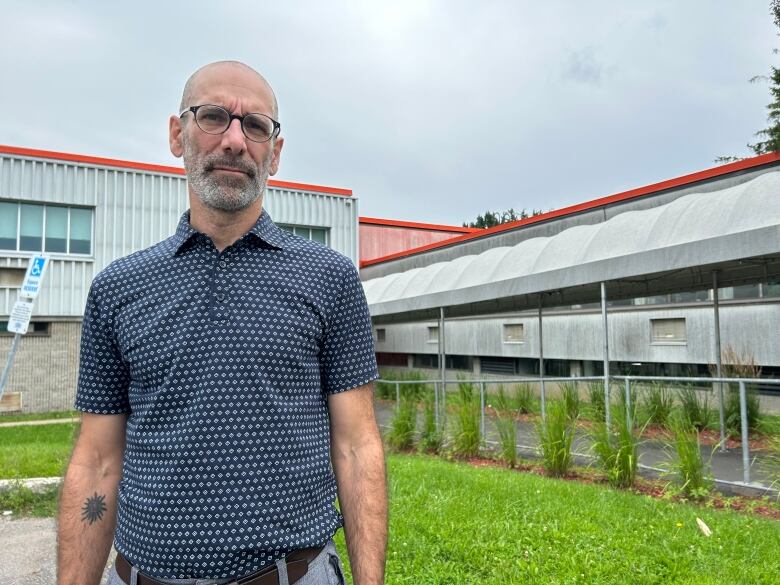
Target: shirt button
222	264
220	297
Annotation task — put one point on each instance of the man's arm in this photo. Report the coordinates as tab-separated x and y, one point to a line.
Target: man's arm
87	517
359	465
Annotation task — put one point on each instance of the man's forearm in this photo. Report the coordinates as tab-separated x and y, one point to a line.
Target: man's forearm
86	523
362	489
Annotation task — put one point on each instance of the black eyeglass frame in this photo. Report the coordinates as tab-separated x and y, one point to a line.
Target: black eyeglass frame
231	117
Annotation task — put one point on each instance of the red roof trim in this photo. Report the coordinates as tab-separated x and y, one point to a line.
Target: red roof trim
418	225
748	163
139	166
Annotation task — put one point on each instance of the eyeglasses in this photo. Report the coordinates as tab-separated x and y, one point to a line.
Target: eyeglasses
216	120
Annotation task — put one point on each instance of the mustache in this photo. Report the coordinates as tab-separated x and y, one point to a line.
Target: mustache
232	163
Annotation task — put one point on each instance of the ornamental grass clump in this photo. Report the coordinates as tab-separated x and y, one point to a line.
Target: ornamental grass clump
739	365
466	440
770	464
616	449
571	399
431	439
556	433
404	424
597	400
659	402
696	407
688	467
507	429
524	398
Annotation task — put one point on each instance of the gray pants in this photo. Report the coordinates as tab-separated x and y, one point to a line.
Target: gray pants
325	569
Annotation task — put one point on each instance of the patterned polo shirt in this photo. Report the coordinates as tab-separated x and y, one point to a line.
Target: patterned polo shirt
224	362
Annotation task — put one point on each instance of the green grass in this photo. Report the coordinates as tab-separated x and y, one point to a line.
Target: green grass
36	450
452	524
22	501
31	416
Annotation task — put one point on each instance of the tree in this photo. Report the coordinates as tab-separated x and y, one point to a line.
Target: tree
769	138
494	218
771	135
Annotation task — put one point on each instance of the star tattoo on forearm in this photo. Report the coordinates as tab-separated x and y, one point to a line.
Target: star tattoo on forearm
93	509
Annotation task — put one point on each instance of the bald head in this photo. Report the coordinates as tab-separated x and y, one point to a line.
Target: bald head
192	85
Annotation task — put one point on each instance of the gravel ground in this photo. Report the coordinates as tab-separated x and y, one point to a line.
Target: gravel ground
27	551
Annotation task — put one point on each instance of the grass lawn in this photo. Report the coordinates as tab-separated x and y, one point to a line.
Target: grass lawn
454	524
35	451
451	523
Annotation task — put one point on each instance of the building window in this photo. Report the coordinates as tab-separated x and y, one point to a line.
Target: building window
35	328
380	335
316	234
498	365
433	334
423	360
33	227
668	331
514	333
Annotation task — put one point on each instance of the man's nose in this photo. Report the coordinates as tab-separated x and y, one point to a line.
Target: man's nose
233	138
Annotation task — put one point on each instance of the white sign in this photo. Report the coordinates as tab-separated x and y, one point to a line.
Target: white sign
20	316
34	276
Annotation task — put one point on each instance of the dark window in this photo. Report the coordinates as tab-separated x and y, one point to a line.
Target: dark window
424	360
498	365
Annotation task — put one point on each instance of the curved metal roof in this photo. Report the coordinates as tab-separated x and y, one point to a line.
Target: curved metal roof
666	248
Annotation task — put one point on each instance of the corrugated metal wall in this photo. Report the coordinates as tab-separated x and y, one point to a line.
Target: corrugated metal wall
133	210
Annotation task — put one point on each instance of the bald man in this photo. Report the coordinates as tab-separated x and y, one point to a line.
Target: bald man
225	383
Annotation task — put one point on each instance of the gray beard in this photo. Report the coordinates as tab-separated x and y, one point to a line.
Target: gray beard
229	193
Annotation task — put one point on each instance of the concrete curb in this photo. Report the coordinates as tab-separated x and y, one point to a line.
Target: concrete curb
36	484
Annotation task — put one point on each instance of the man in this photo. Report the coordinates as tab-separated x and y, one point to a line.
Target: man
223	371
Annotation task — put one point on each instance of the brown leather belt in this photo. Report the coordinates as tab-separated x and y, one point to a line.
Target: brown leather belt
297	566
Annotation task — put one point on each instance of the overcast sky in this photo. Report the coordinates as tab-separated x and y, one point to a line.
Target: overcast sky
429	111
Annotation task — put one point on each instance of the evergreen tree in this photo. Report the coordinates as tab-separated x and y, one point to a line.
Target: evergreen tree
771	136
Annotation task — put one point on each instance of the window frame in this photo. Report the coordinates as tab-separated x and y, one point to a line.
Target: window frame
520	341
17	251
677	341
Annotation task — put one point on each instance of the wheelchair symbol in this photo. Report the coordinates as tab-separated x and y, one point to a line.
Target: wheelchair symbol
37	267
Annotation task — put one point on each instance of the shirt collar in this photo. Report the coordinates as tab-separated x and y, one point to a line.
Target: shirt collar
264	230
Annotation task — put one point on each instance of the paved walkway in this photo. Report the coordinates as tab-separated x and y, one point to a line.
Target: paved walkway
29	423
28	551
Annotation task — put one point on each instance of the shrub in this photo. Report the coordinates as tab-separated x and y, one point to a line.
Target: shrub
431	438
597	400
524	398
616	449
659	401
696	407
688	466
556	433
507	429
571	399
466	438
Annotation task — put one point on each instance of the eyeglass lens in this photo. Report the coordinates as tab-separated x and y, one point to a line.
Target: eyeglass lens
215	120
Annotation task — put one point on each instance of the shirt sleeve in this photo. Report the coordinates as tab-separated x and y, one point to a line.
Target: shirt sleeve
347	358
103	376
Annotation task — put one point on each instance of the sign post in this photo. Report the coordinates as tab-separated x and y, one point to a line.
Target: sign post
22	311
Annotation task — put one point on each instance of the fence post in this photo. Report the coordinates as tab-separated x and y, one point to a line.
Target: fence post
745	438
628	403
436	403
482	410
397	396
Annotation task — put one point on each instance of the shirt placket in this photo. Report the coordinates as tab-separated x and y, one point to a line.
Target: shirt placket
221	299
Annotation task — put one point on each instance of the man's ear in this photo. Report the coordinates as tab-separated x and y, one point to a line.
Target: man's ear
274	166
174	136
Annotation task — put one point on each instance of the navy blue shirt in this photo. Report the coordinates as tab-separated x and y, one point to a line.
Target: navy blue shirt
224	362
